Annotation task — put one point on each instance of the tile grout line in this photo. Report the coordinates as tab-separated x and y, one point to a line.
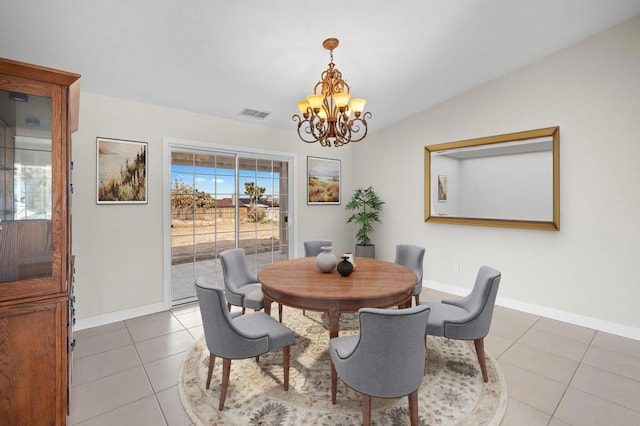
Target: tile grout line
516	340
533	372
146	374
580	363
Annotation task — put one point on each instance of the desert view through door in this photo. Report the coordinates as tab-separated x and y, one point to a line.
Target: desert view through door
221	200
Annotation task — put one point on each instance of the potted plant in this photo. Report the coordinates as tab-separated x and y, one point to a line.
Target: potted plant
367	206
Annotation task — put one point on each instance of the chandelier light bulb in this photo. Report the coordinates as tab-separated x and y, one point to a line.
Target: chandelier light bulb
357	105
341	99
303	106
315	101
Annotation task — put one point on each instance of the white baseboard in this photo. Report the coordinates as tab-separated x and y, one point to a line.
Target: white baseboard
544	311
126	314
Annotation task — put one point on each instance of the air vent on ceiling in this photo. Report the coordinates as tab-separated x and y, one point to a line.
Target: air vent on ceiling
254	113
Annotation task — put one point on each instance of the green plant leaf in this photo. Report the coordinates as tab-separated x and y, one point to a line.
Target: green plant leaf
367	205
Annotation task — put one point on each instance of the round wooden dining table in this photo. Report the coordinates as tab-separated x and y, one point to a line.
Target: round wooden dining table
373	283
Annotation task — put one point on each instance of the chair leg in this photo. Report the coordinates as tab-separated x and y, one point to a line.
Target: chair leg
480	352
286	353
413	407
226	369
243	310
212	361
229	307
366	410
334	383
417	297
425	359
280	311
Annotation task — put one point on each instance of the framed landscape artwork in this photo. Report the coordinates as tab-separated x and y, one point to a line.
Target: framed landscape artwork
323	181
121	171
442	188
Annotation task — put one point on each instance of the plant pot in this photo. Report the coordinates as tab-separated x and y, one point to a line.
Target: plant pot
366	251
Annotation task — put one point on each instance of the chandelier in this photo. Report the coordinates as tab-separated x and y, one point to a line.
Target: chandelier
329	115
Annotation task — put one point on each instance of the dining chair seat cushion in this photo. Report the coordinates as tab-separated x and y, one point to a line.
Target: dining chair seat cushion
254	299
258	324
250	293
469	317
344	345
441	313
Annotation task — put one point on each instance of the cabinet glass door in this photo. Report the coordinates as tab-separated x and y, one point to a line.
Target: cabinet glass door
25	186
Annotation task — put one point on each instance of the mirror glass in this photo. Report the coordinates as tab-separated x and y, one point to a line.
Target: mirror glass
26	186
509	180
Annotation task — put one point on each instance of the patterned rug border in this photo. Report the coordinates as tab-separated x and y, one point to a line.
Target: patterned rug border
272	362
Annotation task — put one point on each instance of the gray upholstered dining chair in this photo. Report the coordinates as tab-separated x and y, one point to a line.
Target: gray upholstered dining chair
468	318
230	336
312	247
387	358
412	256
242	287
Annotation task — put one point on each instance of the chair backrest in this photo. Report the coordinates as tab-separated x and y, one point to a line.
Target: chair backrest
479	303
223	339
235	271
389	359
312	247
411	256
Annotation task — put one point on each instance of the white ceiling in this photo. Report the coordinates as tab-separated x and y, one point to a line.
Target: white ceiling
219	57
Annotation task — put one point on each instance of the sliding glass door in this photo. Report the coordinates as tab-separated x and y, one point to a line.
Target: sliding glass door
220	200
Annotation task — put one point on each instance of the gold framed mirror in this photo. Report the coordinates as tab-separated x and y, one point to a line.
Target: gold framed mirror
510	180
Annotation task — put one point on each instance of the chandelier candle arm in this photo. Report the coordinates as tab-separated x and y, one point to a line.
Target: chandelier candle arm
326	113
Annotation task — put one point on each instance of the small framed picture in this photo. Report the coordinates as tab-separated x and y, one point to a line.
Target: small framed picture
323	181
442	188
121	171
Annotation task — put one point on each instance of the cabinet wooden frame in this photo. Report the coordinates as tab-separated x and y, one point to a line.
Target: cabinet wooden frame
35	314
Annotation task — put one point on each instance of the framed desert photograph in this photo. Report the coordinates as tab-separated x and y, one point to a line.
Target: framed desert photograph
442	188
323	181
121	171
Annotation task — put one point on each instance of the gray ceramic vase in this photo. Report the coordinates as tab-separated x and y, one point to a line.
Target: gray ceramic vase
326	260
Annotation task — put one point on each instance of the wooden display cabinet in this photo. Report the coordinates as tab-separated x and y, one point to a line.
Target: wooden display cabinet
38	113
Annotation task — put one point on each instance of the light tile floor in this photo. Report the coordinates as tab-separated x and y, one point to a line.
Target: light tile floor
558	374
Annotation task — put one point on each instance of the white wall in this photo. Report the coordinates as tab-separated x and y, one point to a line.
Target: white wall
119	265
587	272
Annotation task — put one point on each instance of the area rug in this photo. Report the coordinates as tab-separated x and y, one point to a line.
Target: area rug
452	393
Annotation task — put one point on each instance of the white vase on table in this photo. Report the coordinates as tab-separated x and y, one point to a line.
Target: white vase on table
326	261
